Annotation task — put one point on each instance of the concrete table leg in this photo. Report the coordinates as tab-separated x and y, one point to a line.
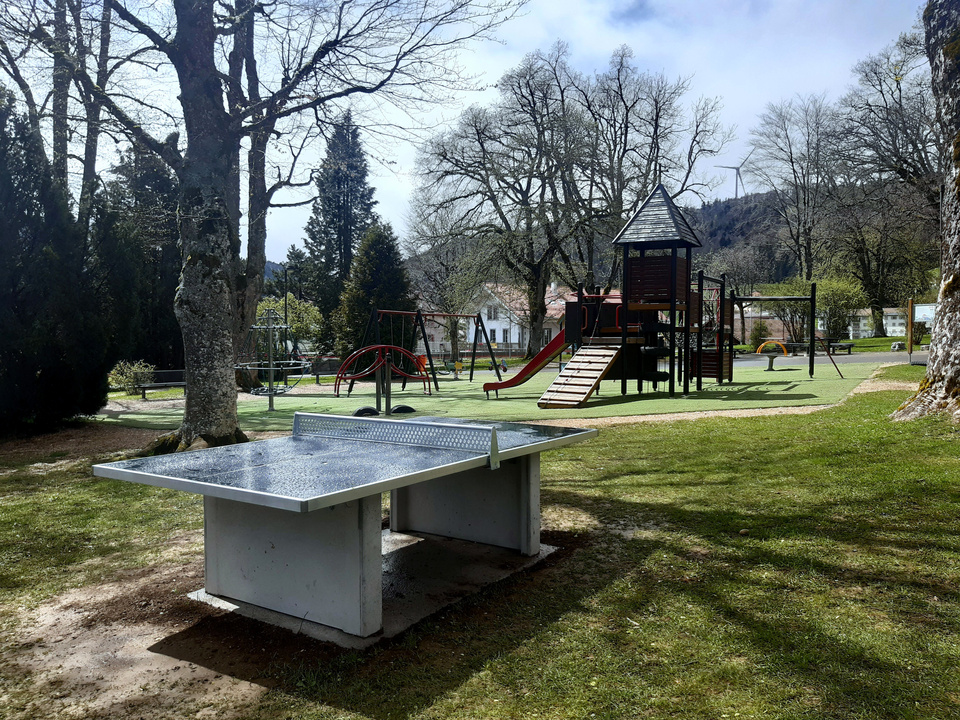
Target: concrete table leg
323	566
497	507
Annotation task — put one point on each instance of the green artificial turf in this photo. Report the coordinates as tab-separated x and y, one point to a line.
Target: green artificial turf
752	387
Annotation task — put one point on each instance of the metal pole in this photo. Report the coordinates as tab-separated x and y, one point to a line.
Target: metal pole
270	359
387	381
813	325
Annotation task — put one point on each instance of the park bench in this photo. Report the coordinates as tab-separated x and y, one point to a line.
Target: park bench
848	346
159	380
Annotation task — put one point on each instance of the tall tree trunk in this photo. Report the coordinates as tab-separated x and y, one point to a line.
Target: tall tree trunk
940	389
537	310
251	283
454	330
879	329
93	108
61	94
209	238
250	273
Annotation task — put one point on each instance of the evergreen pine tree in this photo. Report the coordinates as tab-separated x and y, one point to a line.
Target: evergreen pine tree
56	295
342	213
379	281
144	195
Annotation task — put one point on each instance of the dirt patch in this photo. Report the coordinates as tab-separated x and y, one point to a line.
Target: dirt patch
89	439
138	646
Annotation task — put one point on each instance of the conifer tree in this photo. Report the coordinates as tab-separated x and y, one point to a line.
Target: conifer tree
379	281
56	296
144	195
342	213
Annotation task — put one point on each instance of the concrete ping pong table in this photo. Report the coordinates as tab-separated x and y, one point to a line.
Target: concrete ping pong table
293	524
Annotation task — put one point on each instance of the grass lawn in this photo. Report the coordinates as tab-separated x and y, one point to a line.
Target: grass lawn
789	566
882	344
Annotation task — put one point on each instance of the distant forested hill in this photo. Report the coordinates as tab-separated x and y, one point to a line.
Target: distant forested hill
271	270
722	223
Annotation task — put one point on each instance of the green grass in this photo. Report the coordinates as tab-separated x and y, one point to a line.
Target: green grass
789	566
63	527
881	344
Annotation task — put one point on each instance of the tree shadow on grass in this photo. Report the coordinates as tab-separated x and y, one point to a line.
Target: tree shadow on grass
768	594
781	619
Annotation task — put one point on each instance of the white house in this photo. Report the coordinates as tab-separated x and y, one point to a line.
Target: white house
505	317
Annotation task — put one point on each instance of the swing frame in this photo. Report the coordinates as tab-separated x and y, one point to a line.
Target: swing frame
812	299
377	315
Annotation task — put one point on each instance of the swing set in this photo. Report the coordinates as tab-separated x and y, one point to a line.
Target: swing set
385	360
813	340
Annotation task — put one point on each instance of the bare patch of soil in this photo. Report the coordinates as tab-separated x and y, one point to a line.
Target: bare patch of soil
139	647
89	439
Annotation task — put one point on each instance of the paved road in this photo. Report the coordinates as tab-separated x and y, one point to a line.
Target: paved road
754	360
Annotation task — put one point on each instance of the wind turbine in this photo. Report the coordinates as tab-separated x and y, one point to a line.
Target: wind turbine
737	180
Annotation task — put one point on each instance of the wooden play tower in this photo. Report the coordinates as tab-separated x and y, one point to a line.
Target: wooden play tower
663	327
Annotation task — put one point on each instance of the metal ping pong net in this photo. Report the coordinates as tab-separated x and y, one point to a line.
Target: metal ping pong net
478	439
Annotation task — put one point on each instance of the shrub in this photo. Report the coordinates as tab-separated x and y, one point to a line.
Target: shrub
758	333
919	330
124	375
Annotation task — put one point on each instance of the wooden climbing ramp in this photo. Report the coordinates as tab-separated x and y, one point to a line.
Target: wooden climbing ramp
580	377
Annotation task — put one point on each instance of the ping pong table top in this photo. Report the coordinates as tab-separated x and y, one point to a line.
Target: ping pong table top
333	459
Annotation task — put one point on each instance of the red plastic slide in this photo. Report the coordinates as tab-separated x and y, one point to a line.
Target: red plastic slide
552	349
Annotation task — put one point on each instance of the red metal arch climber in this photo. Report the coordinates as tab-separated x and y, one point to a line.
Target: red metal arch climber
366	361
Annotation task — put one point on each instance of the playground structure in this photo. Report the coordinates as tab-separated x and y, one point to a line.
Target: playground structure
265	368
812	339
550	351
385	361
662	328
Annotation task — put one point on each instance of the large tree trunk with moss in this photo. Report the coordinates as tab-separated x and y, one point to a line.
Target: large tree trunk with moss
940	389
209	237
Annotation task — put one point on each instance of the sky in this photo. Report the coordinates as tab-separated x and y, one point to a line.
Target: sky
749	53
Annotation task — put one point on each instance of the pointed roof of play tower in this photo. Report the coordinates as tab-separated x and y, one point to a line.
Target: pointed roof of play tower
658	223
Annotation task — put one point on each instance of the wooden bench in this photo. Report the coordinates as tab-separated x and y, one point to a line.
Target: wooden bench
848	346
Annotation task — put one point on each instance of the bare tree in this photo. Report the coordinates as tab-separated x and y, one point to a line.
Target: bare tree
639	134
791	161
312	57
445	266
884	234
889	119
547	174
499	166
940	389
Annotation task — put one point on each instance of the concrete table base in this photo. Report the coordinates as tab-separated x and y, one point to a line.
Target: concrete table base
325	566
421	575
